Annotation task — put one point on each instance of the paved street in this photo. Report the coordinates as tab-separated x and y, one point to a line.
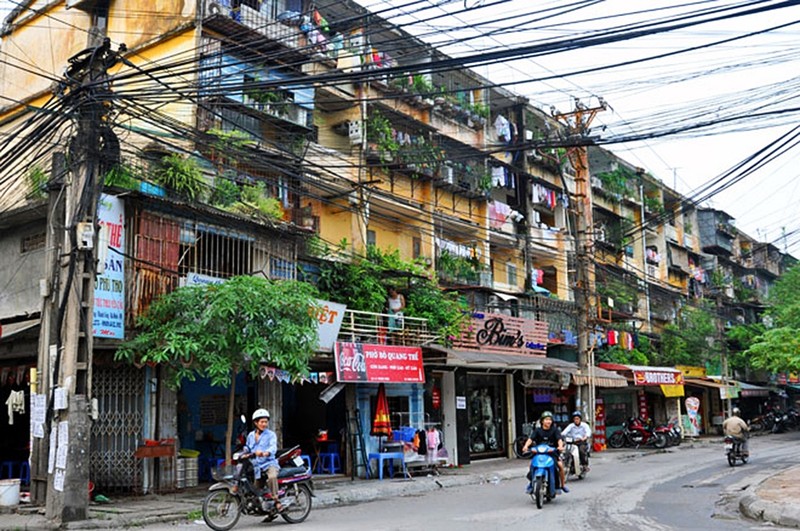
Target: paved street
677	489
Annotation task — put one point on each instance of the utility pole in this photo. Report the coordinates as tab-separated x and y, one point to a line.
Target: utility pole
578	122
723	353
66	343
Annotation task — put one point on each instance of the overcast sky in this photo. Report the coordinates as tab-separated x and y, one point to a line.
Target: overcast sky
748	74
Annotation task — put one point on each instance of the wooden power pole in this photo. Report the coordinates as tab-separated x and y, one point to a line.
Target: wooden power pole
577	123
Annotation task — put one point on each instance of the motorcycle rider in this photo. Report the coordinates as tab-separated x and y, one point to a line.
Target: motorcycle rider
737	428
548	433
263	444
580	433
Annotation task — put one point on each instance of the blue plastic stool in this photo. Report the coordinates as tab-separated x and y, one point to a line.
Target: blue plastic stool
329	463
307	460
7	469
25	473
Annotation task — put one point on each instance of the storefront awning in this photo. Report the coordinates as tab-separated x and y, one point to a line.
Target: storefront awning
10	330
494	360
602	378
645	375
731	390
750	390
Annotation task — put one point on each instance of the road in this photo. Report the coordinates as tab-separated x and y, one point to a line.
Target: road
681	488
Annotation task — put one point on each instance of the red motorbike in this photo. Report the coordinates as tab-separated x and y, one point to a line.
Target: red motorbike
636	433
235	492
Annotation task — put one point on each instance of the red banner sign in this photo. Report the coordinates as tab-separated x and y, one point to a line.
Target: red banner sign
361	362
656	377
494	332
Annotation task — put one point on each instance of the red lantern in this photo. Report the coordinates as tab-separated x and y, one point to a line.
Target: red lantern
436	398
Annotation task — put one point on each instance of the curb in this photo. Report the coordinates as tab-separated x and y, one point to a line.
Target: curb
752	506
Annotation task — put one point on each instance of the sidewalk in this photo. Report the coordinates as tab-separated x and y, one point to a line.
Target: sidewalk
772	499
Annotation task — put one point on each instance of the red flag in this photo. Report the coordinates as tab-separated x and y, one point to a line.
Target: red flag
381	424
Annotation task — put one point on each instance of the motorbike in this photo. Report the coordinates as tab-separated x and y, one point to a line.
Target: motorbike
763	422
636	433
671	432
235	492
543	475
733	450
572	461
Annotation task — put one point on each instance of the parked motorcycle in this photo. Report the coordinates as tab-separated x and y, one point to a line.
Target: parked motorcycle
733	450
235	492
572	461
543	475
763	422
672	432
636	433
519	442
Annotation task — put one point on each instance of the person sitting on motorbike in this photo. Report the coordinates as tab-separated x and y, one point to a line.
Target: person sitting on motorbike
737	428
263	444
580	433
548	433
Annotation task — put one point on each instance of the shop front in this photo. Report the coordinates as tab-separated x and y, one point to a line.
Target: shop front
654	393
484	398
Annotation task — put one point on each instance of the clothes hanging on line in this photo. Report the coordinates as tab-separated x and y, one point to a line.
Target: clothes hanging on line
16	404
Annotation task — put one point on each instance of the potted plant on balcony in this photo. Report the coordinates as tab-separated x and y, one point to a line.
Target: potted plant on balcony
382	144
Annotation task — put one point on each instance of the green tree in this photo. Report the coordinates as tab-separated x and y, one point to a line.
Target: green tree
686	341
361	284
777	349
217	330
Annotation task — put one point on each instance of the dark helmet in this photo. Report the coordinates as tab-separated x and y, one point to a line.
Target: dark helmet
545	414
578	414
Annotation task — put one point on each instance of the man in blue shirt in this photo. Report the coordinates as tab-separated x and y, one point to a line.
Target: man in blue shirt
263	443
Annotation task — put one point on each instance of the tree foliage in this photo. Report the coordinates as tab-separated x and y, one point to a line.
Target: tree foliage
361	284
686	342
778	348
208	330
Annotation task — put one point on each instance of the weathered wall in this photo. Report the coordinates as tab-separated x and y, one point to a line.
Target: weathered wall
20	272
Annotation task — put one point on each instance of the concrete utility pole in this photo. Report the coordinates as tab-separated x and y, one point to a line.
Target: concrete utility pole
578	122
723	353
65	355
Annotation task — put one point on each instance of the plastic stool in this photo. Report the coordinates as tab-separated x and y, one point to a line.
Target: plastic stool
7	469
329	463
25	473
307	460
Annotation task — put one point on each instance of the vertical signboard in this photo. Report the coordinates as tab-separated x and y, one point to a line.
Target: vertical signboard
109	289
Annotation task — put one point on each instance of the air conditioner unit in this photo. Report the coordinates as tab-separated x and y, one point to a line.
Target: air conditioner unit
447	174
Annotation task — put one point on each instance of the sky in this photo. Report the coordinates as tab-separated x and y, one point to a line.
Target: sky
744	76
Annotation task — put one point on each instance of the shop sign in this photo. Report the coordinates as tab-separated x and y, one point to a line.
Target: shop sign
436	398
655	377
461	402
690	371
108	310
329	321
494	332
362	362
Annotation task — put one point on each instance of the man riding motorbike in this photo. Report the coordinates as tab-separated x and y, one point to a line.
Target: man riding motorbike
548	433
580	433
737	428
263	444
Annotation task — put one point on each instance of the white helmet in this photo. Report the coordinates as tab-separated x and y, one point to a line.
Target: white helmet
260	414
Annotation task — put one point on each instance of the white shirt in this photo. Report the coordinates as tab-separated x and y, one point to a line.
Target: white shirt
577	432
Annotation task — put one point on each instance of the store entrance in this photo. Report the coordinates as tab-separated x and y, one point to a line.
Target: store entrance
487	404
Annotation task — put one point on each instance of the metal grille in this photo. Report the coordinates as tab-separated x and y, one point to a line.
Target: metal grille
119	428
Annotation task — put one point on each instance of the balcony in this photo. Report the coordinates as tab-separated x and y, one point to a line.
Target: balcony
285	110
262	33
671	233
368	327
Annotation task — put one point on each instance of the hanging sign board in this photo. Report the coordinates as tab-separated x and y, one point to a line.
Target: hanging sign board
362	362
108	314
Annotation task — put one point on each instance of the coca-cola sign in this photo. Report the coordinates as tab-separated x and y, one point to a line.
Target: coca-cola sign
494	332
362	362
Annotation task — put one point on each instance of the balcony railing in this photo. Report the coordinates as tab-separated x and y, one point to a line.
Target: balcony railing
285	110
381	329
287	35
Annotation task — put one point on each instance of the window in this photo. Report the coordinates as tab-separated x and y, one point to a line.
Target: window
416	248
32	242
511	270
371	238
399	412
